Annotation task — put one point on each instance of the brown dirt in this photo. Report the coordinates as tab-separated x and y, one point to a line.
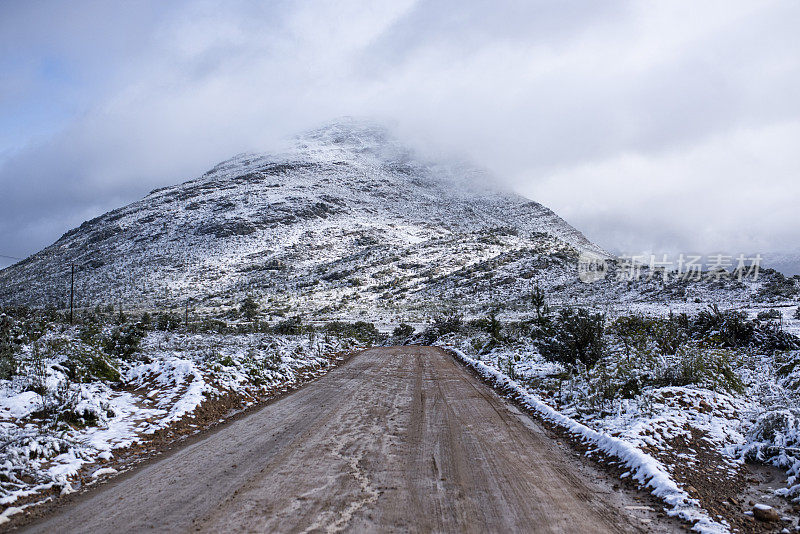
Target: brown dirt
725	495
215	412
398	439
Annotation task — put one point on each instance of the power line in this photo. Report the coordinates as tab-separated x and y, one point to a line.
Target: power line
10	257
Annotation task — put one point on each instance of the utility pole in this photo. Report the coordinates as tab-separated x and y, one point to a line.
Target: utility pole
71	293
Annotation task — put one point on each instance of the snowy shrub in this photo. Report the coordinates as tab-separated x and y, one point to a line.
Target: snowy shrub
510	367
90	330
539	302
167	321
626	374
771	338
492	327
86	363
22	450
403	332
211	325
289	327
632	331
576	338
790	370
728	328
709	368
489	324
768	315
775	438
35	369
442	325
731	329
363	332
124	340
249	308
446	324
777	287
54	367
670	334
773	430
259	364
622	376
638	332
8	363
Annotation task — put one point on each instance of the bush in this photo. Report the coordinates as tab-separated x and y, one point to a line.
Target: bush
729	329
209	324
447	324
85	363
167	322
626	377
770	338
492	326
8	364
671	333
124	340
292	326
404	331
442	325
797	313
576	337
361	331
539	303
633	331
768	315
89	330
777	286
260	362
249	308
712	369
775	437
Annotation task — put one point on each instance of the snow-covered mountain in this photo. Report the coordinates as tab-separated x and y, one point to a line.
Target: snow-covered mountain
349	220
786	262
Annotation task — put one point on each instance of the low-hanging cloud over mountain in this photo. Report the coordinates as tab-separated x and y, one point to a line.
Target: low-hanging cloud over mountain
664	127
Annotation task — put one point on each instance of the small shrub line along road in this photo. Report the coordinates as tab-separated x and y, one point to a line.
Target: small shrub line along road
398	439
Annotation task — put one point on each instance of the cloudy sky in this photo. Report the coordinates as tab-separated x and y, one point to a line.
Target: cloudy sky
651	126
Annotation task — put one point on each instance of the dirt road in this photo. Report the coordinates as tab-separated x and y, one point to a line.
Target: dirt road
396	440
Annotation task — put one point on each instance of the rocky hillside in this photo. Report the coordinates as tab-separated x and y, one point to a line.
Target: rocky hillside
348	222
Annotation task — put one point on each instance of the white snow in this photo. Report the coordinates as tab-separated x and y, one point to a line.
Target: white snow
104	471
648	471
182	372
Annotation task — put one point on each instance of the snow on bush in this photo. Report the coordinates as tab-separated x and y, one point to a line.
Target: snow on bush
643	467
69	404
775	438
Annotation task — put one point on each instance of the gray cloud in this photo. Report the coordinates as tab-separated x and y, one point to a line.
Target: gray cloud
649	126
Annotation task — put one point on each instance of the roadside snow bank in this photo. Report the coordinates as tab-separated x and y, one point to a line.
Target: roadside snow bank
172	375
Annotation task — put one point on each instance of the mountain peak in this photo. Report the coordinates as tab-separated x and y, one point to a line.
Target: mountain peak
350	135
349	207
348	131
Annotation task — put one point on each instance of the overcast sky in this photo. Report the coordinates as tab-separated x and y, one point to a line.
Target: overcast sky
651	126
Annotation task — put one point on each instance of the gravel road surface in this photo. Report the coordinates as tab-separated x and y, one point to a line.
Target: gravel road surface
397	439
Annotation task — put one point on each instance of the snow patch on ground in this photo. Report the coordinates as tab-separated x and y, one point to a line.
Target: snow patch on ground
172	376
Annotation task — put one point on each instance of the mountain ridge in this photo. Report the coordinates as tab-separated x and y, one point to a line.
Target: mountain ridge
346	190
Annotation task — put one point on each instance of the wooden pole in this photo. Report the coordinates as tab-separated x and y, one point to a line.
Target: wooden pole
71	293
